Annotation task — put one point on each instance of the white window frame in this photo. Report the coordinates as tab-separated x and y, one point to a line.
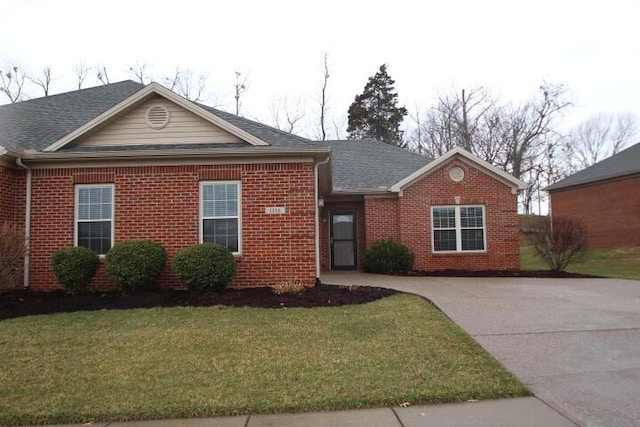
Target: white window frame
458	229
238	217
76	210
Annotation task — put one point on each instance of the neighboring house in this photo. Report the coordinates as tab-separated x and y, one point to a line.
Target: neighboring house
605	197
126	161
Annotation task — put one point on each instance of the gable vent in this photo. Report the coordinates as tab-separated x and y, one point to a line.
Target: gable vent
456	174
157	116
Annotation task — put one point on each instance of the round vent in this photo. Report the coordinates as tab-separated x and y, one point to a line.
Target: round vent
158	116
456	174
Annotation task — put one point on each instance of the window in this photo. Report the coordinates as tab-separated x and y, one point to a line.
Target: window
220	213
458	228
94	217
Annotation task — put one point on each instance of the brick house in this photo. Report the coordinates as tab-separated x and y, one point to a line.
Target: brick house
127	161
605	197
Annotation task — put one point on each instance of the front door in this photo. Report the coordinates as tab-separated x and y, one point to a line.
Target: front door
343	240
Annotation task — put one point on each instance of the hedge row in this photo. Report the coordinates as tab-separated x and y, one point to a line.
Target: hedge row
135	265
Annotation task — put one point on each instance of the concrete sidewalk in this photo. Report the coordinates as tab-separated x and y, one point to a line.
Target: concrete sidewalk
522	412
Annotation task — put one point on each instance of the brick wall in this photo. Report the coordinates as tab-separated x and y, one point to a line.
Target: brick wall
610	210
161	203
8	178
414	227
325	229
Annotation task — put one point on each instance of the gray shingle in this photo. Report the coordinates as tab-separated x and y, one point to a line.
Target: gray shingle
37	123
626	162
368	164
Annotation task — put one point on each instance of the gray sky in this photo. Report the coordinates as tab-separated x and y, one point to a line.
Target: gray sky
506	46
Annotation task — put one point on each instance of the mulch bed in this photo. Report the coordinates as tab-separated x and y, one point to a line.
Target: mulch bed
24	303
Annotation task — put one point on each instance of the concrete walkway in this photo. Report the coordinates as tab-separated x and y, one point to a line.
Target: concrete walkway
574	342
522	412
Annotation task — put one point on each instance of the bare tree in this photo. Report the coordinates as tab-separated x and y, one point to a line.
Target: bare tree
598	137
286	114
323	99
558	241
102	75
43	79
140	71
515	138
240	88
12	80
187	84
81	71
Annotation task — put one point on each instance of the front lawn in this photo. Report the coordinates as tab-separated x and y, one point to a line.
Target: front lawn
620	263
189	362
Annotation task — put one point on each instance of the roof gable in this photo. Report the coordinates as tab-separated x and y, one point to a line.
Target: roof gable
137	127
37	123
626	162
487	168
140	97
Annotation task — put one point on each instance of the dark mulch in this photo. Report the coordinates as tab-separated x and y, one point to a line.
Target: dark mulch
500	273
24	303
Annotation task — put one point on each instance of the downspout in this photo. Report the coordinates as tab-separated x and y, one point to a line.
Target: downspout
27	223
315	187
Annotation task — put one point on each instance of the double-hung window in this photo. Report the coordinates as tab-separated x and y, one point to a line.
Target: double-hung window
94	217
458	228
220	213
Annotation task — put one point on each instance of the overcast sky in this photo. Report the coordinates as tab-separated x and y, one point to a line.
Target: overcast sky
506	46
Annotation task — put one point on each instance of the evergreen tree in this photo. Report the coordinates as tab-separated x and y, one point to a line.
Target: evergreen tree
375	114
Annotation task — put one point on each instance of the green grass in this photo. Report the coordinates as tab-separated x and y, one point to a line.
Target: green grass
186	362
620	263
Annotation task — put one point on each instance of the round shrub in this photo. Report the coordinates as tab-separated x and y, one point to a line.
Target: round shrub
75	267
386	256
135	265
207	267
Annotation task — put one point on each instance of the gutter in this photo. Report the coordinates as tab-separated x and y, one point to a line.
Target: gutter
317	209
27	223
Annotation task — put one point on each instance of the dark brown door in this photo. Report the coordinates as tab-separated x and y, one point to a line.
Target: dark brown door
343	241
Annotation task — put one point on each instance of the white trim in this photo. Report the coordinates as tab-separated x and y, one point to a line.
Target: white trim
141	95
514	183
201	217
76	209
458	229
138	162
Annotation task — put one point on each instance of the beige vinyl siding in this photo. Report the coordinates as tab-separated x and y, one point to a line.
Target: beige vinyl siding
133	129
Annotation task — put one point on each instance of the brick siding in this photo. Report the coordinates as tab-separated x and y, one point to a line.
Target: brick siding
407	219
610	210
161	203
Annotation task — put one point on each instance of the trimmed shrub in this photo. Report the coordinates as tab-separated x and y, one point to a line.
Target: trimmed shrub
207	267
135	265
386	256
13	247
75	267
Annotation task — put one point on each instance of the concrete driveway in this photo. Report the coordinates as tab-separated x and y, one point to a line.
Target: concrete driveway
574	342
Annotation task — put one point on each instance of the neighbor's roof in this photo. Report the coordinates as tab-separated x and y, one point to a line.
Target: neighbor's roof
38	123
626	162
371	165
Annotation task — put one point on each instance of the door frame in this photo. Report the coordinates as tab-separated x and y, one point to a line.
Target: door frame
354	239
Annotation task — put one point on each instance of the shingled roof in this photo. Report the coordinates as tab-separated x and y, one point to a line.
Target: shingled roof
38	123
371	165
357	165
626	162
